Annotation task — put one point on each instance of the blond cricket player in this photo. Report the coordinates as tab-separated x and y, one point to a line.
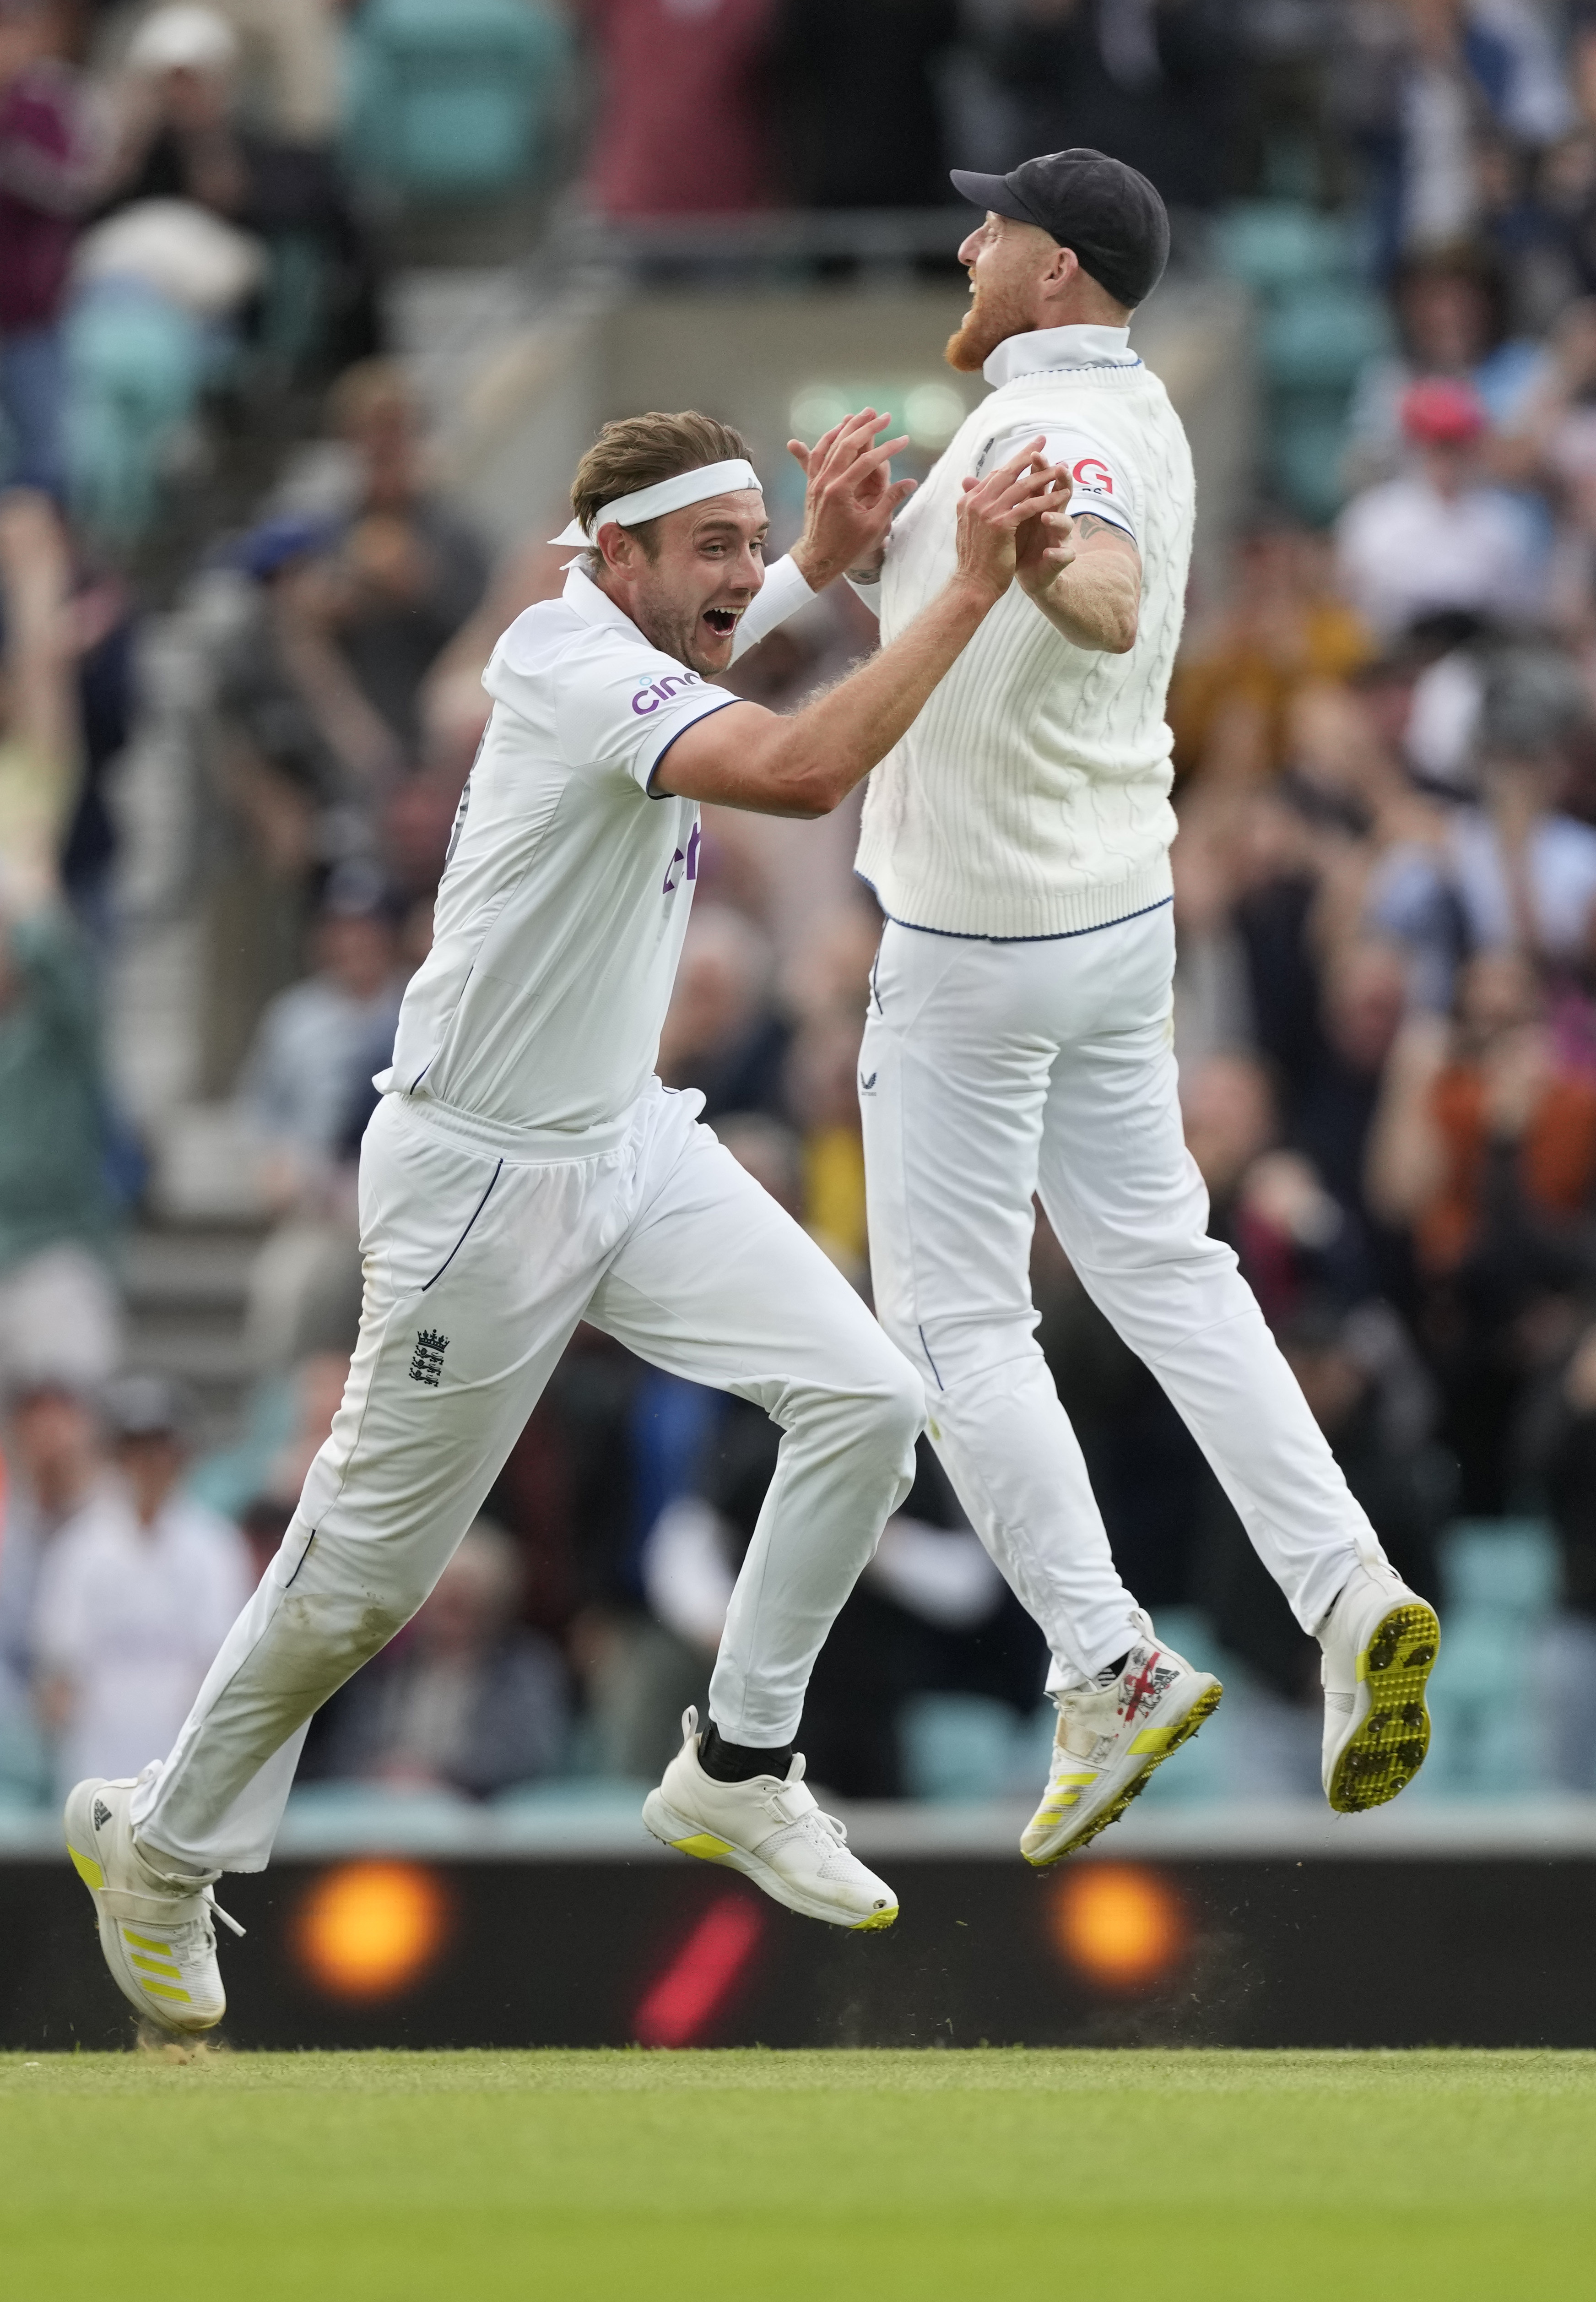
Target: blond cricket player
526	1171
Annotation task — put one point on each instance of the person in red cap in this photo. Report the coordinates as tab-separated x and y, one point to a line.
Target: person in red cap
1440	535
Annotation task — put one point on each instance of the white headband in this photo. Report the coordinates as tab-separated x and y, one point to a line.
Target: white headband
666	495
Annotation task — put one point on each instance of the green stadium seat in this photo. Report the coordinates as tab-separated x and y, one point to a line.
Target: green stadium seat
1317	336
1271	245
1498	1587
1308	449
956	1746
135	367
448	97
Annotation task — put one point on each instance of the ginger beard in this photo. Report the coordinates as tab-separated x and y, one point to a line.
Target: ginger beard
998	309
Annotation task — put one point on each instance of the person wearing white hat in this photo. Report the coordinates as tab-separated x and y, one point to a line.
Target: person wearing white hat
525	1170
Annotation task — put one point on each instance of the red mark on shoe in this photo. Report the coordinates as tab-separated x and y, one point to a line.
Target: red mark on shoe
1141	1688
678	2007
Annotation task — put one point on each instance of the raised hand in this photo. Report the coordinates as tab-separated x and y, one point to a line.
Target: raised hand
1024	494
850	499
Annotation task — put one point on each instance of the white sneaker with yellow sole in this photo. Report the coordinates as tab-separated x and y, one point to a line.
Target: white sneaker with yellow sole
772	1831
1108	1741
156	1931
1380	1640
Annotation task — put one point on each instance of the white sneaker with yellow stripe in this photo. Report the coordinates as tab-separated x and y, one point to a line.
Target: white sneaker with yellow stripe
156	1931
772	1830
1109	1739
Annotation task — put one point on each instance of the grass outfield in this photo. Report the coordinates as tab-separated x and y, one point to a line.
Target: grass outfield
632	2177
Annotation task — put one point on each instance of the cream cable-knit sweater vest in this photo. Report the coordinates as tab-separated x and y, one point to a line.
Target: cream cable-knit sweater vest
1031	796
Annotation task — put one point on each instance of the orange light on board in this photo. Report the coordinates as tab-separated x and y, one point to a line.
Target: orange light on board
368	1929
1120	1925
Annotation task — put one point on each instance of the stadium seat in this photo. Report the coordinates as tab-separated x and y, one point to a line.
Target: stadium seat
1307	453
1270	245
1200	1770
1317	325
1498	1587
1316	336
25	1782
956	1746
448	98
135	365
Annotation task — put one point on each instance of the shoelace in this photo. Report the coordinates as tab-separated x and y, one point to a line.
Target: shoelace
226	1917
189	1926
808	1819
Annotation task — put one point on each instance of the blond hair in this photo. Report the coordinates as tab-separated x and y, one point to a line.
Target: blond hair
639	451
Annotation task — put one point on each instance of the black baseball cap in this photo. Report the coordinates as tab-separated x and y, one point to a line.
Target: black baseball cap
1110	214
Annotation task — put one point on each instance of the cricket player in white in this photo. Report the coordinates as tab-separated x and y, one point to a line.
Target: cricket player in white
1018	1037
525	1170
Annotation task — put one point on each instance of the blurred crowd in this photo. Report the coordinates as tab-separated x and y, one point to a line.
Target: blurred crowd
1385	752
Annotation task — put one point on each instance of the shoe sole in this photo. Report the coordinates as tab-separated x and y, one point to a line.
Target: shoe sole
1203	1708
675	1830
112	1949
1385	1752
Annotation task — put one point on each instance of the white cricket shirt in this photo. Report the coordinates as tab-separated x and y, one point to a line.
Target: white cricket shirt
564	899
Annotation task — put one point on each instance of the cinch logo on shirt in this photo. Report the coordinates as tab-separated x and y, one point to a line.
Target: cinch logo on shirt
672	881
1089	472
653	692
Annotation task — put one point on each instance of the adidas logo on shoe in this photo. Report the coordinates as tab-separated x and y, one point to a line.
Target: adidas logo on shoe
101	1814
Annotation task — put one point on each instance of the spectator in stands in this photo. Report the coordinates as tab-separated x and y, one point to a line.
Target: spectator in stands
318	1381
305	1088
183	138
1441	536
319	1042
1213	1010
1554	445
136	1594
1562	1467
1485	1145
721	1034
466	1700
1423	89
59	1310
362	623
48	163
1281	626
1516	871
1404	1488
685	121
1451	311
289	64
1332	1099
822	1095
54	1463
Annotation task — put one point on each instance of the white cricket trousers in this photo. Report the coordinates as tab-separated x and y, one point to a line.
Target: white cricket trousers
992	1072
478	1268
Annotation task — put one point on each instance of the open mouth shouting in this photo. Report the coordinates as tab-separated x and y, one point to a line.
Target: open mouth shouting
722	621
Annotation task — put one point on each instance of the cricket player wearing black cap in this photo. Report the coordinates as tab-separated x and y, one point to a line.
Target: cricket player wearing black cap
1018	1037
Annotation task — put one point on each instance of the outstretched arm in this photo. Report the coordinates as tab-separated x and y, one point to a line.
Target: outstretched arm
803	766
